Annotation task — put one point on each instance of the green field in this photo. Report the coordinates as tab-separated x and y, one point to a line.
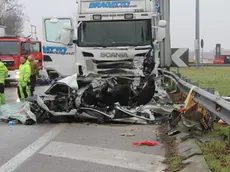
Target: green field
209	77
215	151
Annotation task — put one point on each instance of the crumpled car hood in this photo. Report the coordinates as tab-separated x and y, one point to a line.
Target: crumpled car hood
70	81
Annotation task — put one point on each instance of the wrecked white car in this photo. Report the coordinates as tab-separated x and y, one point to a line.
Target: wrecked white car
104	99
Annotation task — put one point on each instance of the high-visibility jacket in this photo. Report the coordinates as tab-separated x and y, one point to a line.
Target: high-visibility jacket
3	73
24	74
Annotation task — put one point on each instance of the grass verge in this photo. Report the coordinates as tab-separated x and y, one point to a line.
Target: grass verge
209	77
174	163
216	154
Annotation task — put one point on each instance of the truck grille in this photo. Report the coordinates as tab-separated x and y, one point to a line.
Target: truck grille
115	71
121	67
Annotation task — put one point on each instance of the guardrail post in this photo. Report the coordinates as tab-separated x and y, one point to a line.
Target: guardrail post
189	81
165	80
183	78
177	70
174	85
179	75
211	90
196	84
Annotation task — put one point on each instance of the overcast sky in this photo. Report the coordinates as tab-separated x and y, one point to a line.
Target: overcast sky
214	22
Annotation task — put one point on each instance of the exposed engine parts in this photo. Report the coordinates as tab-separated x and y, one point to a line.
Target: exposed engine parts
104	99
148	63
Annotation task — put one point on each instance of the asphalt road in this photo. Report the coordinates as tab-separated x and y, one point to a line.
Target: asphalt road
77	147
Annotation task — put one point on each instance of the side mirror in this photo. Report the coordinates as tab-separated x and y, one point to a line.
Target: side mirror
66	35
75	41
161	31
162	23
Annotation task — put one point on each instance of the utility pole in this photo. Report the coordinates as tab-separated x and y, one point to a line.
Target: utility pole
165	47
197	30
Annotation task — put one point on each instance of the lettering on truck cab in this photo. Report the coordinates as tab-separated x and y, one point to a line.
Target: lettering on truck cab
112	4
114	55
56	50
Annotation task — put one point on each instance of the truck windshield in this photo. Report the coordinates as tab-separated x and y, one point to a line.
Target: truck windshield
9	48
115	33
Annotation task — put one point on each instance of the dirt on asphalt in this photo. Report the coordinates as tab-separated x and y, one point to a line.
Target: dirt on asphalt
173	159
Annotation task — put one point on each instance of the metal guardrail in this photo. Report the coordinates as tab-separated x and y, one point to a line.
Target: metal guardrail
214	104
210	64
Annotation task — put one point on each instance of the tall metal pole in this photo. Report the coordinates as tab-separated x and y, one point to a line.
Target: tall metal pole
197	47
165	47
202	52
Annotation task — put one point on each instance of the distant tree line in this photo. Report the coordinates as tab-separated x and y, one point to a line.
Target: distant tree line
12	16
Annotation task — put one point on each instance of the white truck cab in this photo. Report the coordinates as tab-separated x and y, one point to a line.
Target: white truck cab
107	38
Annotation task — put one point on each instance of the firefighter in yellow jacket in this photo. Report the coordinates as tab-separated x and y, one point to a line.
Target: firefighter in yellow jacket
24	79
3	76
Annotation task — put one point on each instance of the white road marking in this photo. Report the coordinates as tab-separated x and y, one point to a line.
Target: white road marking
16	161
111	157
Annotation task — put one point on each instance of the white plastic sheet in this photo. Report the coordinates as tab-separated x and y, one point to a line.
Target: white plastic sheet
17	111
43	74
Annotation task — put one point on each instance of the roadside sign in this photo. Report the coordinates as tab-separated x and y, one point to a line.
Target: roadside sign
202	43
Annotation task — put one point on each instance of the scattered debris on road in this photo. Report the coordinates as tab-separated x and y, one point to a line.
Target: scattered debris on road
83	98
190	117
146	143
128	134
17	112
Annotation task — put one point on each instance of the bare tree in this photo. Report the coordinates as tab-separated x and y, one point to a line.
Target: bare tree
12	16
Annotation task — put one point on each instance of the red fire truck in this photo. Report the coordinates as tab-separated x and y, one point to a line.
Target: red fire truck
219	60
12	48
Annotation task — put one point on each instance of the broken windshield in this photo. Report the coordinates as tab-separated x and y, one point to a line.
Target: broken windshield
115	33
9	48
